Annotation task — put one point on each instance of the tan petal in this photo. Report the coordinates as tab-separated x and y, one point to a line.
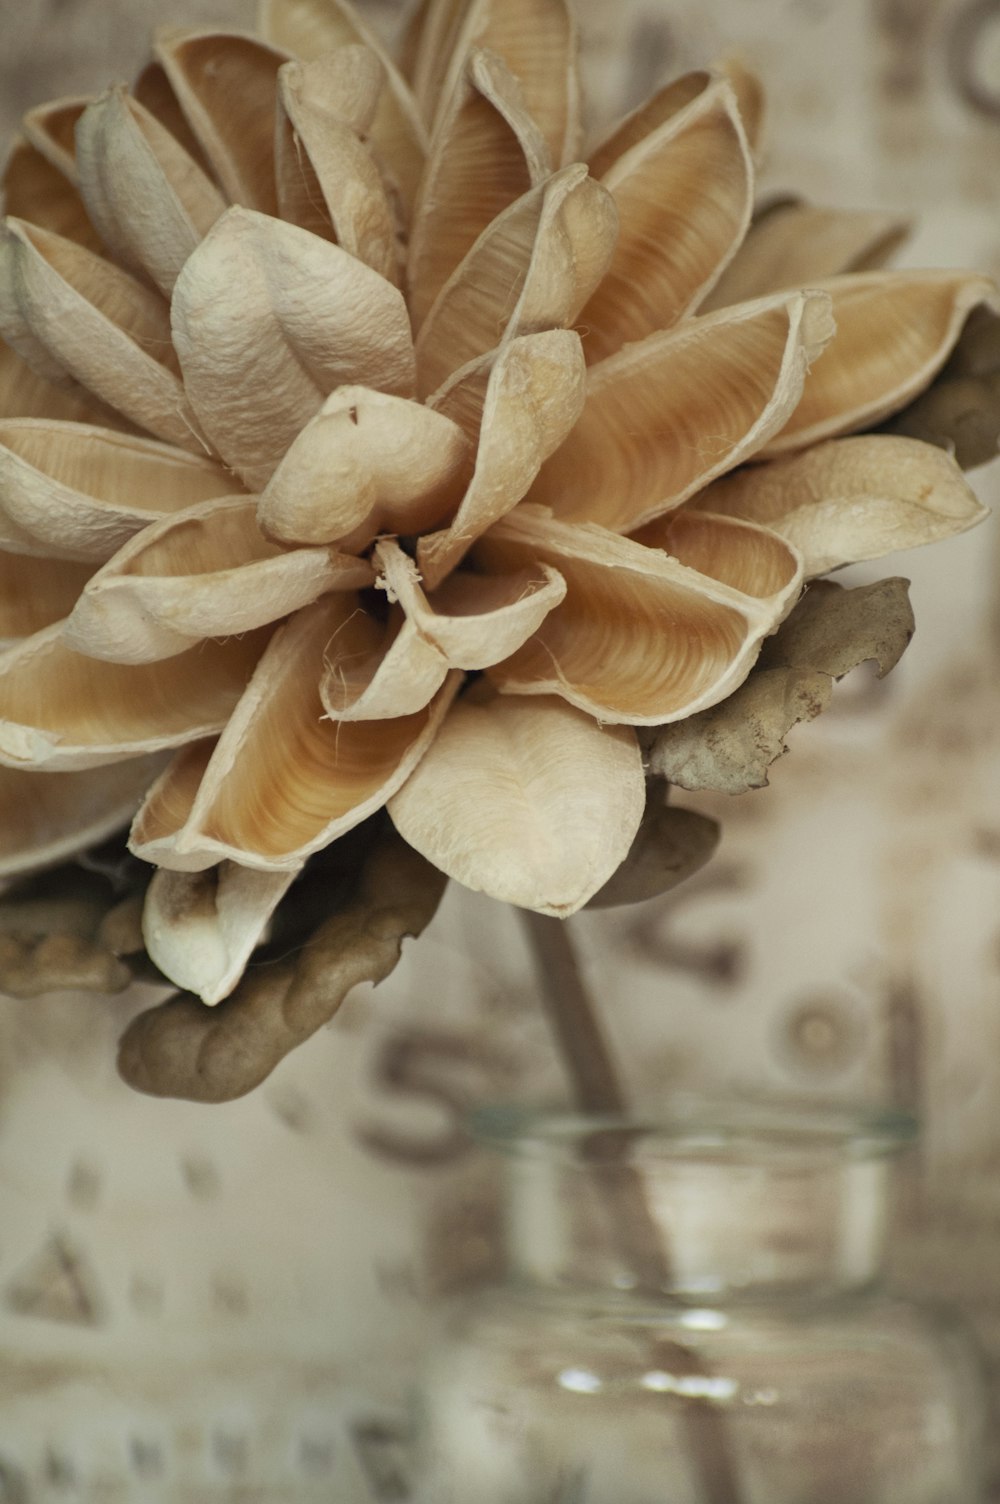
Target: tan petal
895	330
208	573
151	202
284	781
749	558
201	928
665	416
34	593
328	181
60	709
154	91
750	97
376	672
75	491
25	394
367	463
426	48
533	268
528	801
487	153
639	638
170	800
47	817
667	102
798	245
73	315
851	499
684	196
51	130
268	320
311	28
36	191
227	86
533	397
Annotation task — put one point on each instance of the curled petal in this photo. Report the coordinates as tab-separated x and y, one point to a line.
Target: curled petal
60	709
154	91
895	330
534	393
51	130
746	557
665	416
851	499
74	491
529	801
268	319
47	817
208	573
25	394
667	102
34	592
367	463
375	673
683	196
36	191
751	100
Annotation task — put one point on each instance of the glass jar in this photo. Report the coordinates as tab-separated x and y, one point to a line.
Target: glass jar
693	1315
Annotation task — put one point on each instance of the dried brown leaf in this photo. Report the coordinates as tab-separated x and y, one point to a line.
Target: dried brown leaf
671	845
960	410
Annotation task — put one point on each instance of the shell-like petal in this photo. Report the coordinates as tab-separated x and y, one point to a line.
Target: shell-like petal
684	196
36	191
269	319
47	817
648	117
747	557
71	314
895	330
328	181
25	394
487	152
529	801
75	491
533	396
227	86
311	28
533	268
154	91
851	499
376	672
665	416
34	592
640	637
151	202
51	130
284	781
367	463
60	709
798	245
208	573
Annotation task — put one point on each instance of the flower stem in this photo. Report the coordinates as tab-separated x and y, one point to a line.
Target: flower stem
598	1089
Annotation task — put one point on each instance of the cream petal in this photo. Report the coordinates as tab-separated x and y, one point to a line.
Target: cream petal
661	106
487	153
328	181
269	319
46	818
227	86
533	268
73	315
169	801
35	592
665	416
151	202
154	91
59	709
798	245
51	130
528	801
851	499
309	29
25	394
367	463
748	558
640	638
36	191
208	573
201	928
74	491
533	397
895	330
375	673
684	195
284	781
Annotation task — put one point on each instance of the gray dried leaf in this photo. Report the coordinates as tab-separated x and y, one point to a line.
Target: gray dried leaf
960	410
671	845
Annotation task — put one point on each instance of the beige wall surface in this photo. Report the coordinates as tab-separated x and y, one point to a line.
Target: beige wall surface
224	1303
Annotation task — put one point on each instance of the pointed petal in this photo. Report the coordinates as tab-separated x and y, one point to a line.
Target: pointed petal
665	416
50	129
639	638
284	781
311	28
487	153
750	98
377	673
47	817
426	48
208	573
71	314
73	491
367	463
895	330
151	202
668	101
749	558
268	320
34	593
534	396
60	709
851	499
528	801
25	394
684	196
227	86
533	268
798	245
36	191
